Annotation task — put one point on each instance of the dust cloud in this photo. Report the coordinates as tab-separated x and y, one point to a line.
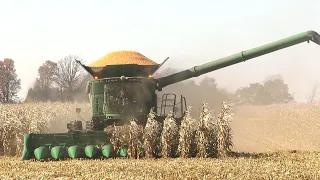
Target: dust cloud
276	127
59	125
262	128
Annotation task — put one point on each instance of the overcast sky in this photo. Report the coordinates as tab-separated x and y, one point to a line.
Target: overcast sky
189	32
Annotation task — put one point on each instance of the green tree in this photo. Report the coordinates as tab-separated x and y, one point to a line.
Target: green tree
248	95
43	88
10	84
272	91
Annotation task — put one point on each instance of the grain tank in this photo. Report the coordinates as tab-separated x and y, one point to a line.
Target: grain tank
121	92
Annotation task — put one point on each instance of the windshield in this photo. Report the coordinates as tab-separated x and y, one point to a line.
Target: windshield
127	97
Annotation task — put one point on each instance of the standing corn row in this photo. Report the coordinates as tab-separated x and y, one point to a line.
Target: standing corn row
204	137
205	134
120	137
224	134
186	134
1	140
169	137
18	119
151	134
135	138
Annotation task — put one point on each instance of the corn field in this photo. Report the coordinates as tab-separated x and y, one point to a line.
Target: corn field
197	137
208	135
18	119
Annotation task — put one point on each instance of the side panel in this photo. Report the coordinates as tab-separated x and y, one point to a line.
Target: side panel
96	98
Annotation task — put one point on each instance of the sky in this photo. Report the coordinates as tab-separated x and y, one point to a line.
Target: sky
189	32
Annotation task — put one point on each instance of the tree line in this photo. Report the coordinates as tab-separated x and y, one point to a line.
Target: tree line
271	91
65	80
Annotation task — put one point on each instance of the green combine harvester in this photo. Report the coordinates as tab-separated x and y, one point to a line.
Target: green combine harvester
119	93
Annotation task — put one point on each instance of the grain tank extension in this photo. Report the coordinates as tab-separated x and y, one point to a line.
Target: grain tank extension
119	93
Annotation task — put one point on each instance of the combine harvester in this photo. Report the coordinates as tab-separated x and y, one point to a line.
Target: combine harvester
119	93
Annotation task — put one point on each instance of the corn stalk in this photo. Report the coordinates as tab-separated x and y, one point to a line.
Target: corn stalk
224	131
151	135
169	137
186	134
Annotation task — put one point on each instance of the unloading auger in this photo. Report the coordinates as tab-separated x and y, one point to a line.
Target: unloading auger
119	93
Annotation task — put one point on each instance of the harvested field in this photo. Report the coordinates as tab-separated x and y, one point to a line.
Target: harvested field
285	165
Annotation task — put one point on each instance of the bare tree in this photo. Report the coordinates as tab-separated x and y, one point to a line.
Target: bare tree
69	73
313	93
84	81
69	76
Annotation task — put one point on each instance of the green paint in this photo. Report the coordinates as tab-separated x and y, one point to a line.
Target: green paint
26	154
74	152
91	151
41	153
58	152
107	150
124	151
56	144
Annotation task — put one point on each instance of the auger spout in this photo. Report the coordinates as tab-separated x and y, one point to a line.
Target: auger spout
239	57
